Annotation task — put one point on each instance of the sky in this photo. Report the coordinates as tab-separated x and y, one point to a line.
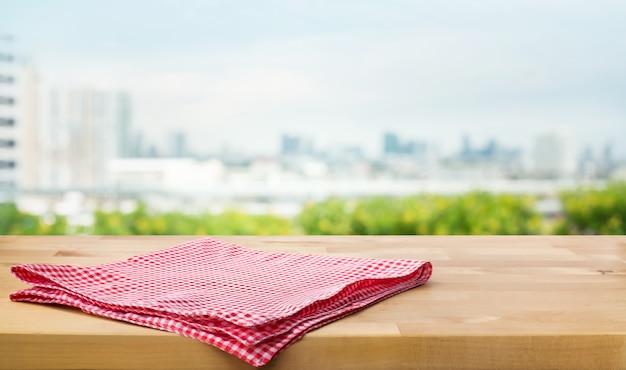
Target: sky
238	74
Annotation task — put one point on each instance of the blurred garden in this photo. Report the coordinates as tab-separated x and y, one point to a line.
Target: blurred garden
584	211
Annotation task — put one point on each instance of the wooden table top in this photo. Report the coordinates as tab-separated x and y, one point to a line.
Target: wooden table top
492	302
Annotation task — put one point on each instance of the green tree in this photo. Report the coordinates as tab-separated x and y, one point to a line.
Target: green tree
231	222
15	222
474	213
594	210
329	217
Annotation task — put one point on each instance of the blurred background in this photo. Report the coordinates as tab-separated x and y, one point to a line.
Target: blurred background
319	117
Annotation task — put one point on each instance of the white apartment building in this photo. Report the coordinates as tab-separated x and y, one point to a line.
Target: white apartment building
28	135
19	136
8	112
553	155
84	129
8	115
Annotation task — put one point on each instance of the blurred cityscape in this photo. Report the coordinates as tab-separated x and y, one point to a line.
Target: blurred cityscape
71	149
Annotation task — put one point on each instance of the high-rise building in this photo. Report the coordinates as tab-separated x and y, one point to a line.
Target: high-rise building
292	145
84	129
391	143
393	146
28	130
553	155
8	115
123	145
19	136
179	145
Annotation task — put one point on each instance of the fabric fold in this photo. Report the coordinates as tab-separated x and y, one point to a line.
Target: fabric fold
250	303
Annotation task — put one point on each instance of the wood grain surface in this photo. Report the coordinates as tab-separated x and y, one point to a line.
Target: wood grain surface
495	302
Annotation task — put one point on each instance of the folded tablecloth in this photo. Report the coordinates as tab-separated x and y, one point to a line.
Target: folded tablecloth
250	303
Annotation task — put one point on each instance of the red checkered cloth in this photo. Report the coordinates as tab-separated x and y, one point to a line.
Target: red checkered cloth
250	303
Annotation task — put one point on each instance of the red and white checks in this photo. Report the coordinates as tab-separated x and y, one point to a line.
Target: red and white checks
250	303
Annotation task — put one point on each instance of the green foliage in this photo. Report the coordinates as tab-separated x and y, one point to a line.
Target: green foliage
15	222
475	213
482	213
330	217
594	211
231	222
586	211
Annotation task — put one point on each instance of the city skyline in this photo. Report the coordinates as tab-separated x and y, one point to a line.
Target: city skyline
240	76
